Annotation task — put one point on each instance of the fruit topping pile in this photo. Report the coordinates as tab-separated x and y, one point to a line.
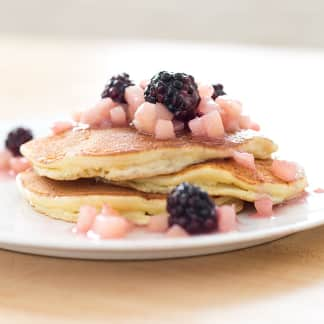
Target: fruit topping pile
191	211
165	106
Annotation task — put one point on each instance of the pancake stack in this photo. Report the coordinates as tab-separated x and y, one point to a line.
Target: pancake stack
133	172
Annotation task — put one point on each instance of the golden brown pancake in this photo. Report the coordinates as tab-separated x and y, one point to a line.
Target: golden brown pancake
63	199
123	153
226	178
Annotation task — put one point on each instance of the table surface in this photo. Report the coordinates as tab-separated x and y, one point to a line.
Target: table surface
278	282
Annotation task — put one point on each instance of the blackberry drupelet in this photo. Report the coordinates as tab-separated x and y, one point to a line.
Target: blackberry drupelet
218	90
192	209
16	138
177	91
115	89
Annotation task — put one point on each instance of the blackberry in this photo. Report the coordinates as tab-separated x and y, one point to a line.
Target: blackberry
177	91
192	209
218	90
115	89
16	138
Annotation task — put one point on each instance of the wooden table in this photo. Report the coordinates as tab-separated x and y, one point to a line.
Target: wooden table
280	282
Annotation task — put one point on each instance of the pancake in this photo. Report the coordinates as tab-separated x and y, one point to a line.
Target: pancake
123	153
63	199
226	178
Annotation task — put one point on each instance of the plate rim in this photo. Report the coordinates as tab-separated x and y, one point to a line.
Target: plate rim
165	244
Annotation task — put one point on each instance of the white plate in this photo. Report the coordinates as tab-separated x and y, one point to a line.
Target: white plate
23	230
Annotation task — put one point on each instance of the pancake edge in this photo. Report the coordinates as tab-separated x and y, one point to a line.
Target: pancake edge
67	208
142	164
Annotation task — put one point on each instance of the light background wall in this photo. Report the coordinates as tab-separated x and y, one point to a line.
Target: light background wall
272	22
